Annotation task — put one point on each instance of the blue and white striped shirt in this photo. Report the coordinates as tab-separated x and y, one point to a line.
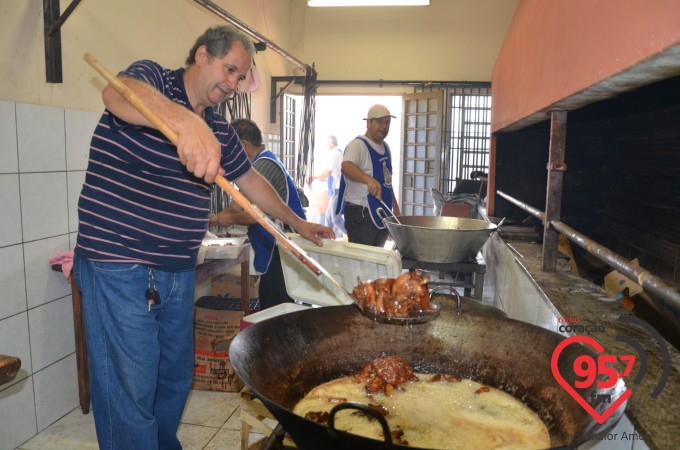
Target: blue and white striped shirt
139	204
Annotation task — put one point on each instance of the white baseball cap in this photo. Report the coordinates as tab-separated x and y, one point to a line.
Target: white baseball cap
378	112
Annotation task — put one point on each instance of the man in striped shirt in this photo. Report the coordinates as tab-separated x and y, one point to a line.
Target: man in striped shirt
143	212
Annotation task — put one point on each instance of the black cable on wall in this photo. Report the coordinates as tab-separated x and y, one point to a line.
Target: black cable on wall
236	107
305	157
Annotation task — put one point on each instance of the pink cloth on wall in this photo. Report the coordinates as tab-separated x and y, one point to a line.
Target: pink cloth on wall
66	261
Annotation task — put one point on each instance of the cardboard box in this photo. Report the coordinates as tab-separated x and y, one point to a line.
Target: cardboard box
615	282
217	321
231	285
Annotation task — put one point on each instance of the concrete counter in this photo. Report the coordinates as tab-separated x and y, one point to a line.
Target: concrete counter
516	284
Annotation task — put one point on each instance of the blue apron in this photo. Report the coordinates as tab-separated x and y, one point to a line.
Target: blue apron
262	241
382	172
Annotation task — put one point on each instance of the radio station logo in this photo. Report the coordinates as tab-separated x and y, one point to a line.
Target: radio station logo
594	369
573	325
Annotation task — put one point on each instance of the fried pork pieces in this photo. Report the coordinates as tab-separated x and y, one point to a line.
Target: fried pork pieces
385	374
405	296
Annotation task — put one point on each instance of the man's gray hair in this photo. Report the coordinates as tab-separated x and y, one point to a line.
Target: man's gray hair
218	41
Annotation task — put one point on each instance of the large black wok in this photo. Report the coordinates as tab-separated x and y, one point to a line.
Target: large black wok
282	358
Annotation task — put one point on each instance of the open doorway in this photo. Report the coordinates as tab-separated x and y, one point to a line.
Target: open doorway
447	140
342	117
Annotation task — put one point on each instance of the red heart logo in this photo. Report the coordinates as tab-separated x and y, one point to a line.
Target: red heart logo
600	418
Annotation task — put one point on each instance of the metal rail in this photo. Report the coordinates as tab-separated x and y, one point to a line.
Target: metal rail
252	33
669	295
383	83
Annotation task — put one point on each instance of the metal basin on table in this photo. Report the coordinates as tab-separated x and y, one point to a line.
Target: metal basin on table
439	239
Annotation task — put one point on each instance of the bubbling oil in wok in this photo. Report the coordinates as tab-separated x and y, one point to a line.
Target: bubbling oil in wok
426	410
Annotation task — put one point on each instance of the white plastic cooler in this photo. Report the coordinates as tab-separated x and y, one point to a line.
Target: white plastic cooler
343	260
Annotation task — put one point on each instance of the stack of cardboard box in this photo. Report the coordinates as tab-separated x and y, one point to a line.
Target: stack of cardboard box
217	321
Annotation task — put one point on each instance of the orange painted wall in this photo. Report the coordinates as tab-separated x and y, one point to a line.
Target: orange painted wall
555	48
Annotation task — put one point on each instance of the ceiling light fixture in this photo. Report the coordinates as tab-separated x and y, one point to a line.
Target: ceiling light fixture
368	3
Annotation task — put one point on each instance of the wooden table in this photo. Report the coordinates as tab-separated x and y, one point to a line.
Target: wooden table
253	413
204	272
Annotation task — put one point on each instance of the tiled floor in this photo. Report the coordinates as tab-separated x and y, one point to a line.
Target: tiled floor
211	420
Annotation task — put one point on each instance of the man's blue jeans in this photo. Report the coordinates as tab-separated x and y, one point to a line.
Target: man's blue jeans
335	221
141	361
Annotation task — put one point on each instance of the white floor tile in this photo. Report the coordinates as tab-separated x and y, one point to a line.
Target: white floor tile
210	408
74	430
234	421
195	437
211	420
225	440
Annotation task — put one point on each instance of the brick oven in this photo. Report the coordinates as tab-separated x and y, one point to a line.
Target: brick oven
614	67
622	183
600	82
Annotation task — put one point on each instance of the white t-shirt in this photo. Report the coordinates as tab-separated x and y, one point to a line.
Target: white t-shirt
334	165
357	153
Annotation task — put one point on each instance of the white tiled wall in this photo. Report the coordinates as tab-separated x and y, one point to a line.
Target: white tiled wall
43	156
44	211
10	220
9	159
40	138
17	414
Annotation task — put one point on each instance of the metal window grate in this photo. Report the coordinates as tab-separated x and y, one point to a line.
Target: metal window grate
288	127
469	134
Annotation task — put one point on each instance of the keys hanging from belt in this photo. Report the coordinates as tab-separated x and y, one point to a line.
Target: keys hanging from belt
151	294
